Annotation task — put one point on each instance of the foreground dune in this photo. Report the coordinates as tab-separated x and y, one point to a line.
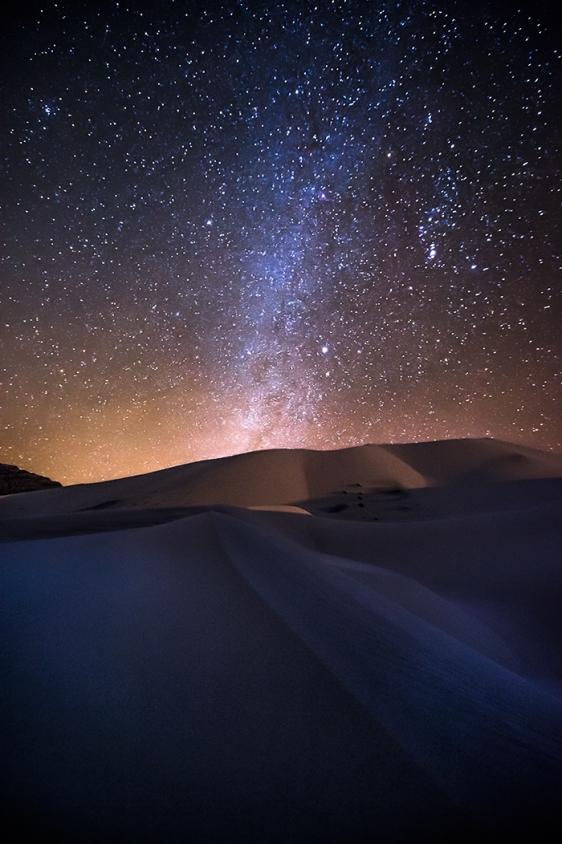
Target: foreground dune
373	652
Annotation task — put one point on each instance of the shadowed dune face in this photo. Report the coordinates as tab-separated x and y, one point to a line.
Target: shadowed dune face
248	676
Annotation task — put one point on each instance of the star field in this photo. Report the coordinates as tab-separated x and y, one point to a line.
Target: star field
242	225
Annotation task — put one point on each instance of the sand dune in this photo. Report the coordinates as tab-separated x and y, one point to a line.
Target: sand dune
451	461
188	656
279	476
294	476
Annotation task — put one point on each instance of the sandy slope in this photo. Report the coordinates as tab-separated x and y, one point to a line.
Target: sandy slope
198	673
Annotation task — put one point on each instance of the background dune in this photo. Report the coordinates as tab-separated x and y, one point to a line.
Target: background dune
293	476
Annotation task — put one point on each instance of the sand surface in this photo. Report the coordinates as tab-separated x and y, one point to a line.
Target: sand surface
286	646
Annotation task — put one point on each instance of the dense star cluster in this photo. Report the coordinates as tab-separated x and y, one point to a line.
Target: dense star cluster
239	225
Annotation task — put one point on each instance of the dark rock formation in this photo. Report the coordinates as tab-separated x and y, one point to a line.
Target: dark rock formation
14	480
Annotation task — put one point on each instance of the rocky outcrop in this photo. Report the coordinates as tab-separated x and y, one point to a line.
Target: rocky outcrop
14	480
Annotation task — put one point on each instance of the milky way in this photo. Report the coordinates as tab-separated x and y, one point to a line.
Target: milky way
246	225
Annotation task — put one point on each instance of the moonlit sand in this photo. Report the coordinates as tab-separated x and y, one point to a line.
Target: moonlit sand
288	646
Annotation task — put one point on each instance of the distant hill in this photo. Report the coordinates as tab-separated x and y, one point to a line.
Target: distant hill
13	480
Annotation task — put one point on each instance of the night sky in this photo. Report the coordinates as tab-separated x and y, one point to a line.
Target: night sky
242	225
